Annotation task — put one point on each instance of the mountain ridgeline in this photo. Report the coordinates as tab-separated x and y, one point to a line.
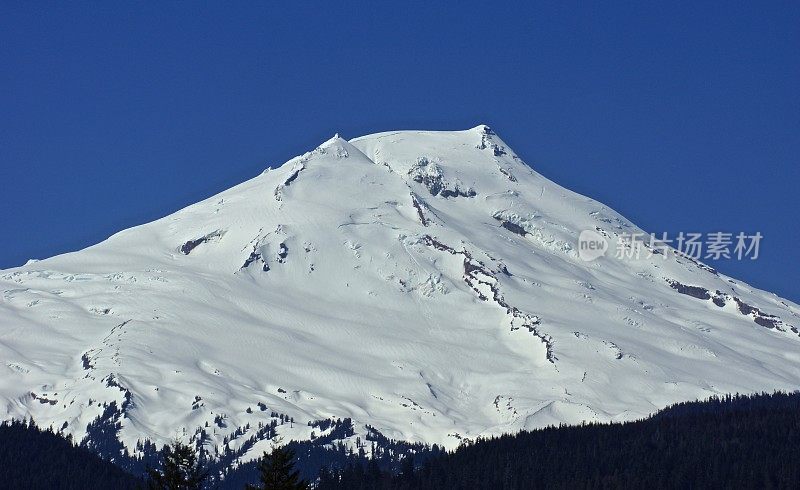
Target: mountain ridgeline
375	296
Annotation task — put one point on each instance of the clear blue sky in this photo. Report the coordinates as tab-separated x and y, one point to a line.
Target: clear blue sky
681	116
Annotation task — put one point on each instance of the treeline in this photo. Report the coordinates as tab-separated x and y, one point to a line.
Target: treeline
730	442
34	458
328	453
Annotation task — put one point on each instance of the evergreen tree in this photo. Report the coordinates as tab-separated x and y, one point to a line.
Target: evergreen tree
729	442
277	471
180	469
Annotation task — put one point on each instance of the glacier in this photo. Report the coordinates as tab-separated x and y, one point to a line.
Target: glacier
424	284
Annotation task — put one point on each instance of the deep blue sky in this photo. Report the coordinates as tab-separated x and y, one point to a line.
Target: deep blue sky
681	116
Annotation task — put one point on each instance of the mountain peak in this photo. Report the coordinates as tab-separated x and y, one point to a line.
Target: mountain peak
483	129
341	148
334	140
425	284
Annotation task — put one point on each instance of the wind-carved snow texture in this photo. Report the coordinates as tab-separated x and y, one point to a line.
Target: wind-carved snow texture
412	285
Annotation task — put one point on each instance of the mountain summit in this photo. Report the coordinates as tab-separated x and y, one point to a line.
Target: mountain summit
426	285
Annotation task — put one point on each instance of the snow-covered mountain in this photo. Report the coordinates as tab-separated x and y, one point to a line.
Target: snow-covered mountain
426	284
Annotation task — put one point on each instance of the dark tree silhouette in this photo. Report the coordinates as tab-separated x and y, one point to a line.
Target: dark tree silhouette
277	471
734	441
180	469
34	458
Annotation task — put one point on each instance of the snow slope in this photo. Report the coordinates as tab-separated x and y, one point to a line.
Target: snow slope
424	283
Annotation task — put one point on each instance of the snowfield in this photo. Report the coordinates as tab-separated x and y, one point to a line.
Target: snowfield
426	284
